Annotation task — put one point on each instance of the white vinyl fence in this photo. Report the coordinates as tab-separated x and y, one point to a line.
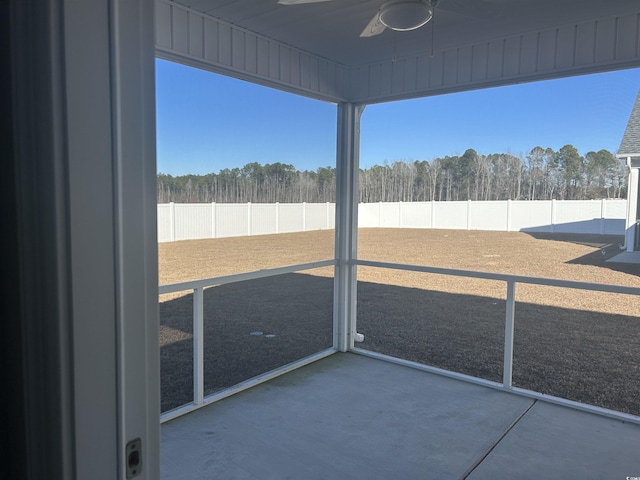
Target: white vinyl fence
188	221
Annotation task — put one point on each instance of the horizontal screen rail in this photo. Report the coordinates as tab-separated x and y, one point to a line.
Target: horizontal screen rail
510	314
549	282
241	277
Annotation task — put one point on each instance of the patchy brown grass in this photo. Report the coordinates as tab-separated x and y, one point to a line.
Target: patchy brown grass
570	343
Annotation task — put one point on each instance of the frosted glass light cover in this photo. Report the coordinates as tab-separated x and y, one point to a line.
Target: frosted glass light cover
405	16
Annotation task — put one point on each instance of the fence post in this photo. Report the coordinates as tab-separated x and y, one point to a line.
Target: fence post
328	215
553	215
248	219
198	345
214	227
509	215
507	372
400	214
277	217
433	214
603	216
468	214
304	216
172	221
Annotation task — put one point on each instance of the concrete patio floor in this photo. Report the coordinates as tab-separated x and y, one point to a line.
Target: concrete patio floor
626	257
353	417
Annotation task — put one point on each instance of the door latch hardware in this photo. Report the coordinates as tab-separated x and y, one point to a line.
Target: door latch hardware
134	458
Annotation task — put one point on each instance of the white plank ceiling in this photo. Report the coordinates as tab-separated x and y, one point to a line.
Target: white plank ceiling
316	49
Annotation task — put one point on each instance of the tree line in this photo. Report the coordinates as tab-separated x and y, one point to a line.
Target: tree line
542	174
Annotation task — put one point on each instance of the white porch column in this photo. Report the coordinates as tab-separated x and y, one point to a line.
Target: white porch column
345	287
632	206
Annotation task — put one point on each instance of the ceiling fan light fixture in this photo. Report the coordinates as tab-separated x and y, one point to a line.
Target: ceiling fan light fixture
405	15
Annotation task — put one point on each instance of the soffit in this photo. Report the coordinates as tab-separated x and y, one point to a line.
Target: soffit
331	29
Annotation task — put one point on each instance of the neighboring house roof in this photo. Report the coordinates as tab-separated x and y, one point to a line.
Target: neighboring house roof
630	145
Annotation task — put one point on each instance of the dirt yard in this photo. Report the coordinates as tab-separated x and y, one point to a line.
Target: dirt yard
571	343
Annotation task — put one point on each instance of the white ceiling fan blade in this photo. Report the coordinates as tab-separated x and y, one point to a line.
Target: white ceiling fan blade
374	27
298	2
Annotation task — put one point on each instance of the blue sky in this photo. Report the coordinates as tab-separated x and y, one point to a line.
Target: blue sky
207	122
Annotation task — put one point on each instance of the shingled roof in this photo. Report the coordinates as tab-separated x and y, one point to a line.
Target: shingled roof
630	145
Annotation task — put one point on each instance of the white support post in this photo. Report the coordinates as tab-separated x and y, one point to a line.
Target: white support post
553	215
633	191
507	372
468	214
277	217
346	235
509	215
198	345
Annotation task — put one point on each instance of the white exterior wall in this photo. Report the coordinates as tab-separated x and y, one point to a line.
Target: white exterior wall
211	220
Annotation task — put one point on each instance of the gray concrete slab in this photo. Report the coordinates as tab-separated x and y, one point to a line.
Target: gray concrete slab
554	442
347	417
353	417
626	257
